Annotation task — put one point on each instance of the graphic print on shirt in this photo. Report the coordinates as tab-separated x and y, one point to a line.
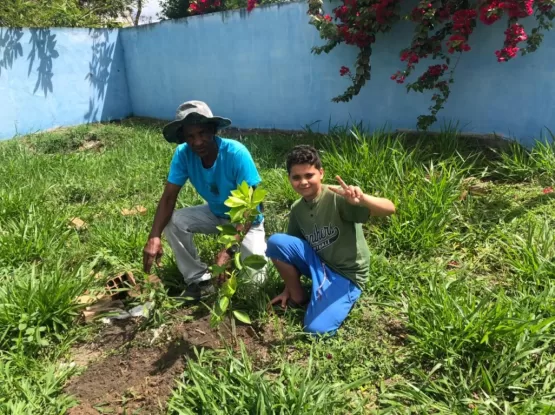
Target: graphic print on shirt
323	237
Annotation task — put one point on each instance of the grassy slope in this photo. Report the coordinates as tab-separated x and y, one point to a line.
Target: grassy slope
457	316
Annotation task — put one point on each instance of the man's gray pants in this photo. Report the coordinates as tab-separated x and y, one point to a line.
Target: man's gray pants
199	219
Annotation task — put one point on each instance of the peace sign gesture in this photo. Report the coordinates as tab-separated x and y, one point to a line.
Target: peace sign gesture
352	194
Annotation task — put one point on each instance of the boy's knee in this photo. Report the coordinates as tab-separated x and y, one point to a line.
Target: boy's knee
275	245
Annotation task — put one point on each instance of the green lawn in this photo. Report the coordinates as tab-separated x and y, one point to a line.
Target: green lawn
457	317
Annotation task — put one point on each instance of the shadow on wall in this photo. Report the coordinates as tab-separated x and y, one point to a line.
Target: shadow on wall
99	71
43	52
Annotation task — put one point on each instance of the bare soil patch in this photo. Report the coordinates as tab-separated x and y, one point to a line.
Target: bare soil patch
135	371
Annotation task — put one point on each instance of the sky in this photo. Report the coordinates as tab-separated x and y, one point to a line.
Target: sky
150	9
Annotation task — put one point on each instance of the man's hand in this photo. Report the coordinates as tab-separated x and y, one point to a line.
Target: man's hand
152	252
352	194
282	298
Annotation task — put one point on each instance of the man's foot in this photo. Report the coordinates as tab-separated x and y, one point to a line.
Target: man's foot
200	291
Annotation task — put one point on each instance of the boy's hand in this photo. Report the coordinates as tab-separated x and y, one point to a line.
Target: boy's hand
282	299
353	194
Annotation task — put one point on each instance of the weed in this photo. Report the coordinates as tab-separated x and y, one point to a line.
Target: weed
229	385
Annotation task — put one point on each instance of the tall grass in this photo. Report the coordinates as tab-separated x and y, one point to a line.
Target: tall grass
28	388
231	385
522	164
37	307
456	317
424	192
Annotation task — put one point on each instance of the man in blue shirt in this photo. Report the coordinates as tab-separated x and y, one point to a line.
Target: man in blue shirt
214	166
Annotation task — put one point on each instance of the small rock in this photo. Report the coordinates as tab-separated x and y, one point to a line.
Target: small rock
78	223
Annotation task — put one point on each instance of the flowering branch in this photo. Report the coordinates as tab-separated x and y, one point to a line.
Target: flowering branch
442	29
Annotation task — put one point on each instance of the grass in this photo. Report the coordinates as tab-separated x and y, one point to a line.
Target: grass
457	316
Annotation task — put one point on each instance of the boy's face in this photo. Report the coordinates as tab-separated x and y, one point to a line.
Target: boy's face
306	180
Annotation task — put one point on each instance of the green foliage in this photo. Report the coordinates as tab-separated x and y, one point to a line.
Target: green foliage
37	307
520	164
244	203
231	385
62	13
175	9
425	191
456	316
28	387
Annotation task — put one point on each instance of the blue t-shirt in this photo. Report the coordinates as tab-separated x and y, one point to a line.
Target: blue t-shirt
233	165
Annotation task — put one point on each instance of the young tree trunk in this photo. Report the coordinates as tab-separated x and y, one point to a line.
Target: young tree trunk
139	11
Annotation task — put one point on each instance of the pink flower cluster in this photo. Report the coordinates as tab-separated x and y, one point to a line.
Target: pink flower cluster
204	6
513	35
433	72
492	10
344	71
463	24
398	77
383	10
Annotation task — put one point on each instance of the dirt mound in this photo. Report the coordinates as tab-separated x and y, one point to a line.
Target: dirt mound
126	372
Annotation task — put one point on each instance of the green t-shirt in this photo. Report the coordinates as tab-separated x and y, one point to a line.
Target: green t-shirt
333	228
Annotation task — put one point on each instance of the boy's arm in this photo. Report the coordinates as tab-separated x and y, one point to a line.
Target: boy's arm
354	196
378	206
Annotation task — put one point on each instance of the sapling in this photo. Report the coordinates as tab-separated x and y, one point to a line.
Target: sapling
243	203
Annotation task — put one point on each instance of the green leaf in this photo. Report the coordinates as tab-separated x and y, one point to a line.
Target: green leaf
242	317
226	239
230	286
256	262
258	196
244	188
237	260
233	201
224	303
22	326
227	229
236	214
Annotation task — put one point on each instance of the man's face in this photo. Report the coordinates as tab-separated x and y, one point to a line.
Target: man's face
306	180
200	138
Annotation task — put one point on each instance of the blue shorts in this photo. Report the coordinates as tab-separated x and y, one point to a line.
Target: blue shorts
332	295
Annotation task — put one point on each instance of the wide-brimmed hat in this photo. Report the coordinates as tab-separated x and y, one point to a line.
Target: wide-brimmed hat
191	113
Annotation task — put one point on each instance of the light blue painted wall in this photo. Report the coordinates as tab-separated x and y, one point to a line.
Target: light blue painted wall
59	77
259	71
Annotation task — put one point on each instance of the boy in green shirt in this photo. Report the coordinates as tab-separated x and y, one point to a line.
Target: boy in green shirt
324	242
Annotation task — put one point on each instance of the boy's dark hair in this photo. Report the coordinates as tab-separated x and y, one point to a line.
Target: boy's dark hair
303	154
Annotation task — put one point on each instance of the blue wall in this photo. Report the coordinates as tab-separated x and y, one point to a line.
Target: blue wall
259	71
58	77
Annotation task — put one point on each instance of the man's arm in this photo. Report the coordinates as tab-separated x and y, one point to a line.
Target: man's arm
166	205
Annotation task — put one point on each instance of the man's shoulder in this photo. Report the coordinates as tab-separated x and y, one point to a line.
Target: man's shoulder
232	146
